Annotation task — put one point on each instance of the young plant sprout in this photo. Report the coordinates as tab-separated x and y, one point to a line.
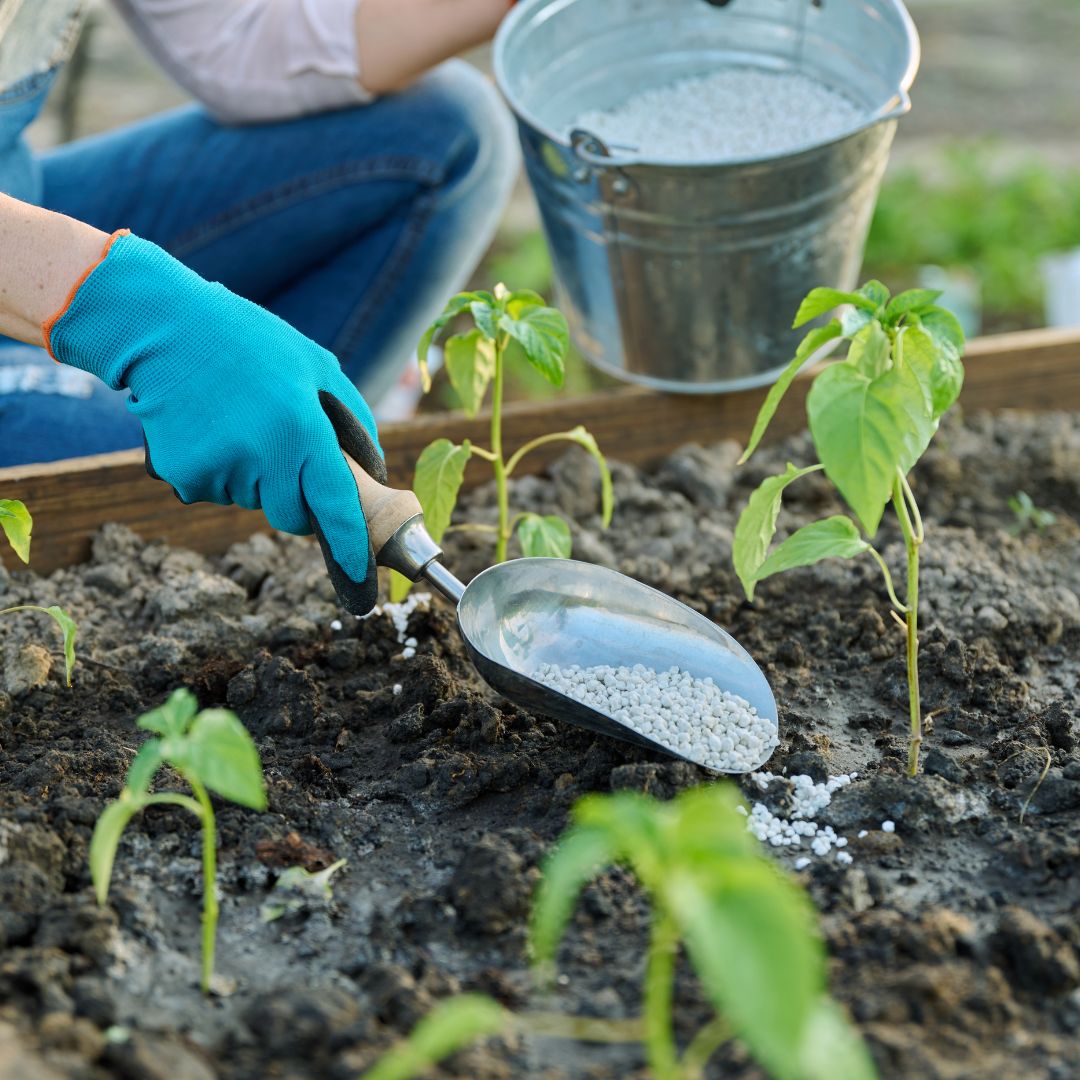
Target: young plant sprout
746	928
505	324
871	417
17	524
212	751
1028	515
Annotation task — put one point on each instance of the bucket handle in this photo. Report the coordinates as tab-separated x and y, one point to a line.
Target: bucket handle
597	154
893	109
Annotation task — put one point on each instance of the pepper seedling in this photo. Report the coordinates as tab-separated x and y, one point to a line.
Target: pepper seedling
212	751
871	417
1028	515
17	524
746	927
504	324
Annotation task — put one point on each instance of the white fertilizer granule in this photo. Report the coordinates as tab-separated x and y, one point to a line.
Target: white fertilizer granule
804	799
739	112
693	717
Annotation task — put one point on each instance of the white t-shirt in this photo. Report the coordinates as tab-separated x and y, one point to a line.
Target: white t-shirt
245	60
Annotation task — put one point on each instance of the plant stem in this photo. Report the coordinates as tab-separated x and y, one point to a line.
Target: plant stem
498	463
913	538
702	1047
532	444
209	861
172	799
902	608
659	991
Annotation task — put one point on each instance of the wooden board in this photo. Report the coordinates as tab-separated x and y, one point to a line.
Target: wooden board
70	500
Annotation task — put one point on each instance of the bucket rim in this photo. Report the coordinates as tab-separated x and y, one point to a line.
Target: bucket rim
897	106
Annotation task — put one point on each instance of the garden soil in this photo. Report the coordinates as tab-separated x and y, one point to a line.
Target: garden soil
954	941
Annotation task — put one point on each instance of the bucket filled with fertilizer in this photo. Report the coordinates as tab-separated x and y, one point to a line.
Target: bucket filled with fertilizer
700	166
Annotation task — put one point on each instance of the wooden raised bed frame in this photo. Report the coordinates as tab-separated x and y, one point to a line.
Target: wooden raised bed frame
70	500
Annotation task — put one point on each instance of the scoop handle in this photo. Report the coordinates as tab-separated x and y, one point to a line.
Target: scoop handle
385	508
399	538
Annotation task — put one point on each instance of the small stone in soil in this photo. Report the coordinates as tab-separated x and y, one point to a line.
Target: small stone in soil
693	717
888	826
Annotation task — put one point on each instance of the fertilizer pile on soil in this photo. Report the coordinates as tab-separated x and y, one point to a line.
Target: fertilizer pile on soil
732	114
952	932
713	727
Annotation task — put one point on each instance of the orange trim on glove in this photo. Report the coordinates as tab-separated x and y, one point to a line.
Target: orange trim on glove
48	324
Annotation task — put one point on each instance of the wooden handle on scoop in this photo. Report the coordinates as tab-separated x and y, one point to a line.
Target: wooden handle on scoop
385	508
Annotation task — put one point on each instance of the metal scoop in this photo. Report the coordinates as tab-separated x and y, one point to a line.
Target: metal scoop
519	615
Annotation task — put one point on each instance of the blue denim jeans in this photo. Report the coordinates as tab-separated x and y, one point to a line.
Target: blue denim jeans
354	226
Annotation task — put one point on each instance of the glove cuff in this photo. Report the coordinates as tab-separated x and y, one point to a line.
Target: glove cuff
48	325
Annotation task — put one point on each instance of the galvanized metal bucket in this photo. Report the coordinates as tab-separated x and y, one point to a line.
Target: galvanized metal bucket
685	276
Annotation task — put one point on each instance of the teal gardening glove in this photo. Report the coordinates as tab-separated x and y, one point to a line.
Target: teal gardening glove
235	405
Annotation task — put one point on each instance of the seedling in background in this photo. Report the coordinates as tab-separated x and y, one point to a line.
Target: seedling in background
297	890
505	324
746	927
17	524
212	751
871	417
1028	515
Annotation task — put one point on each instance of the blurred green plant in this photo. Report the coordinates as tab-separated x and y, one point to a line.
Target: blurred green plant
746	928
1028	515
17	524
995	220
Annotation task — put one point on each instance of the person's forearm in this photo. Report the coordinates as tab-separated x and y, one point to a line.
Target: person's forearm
397	40
42	256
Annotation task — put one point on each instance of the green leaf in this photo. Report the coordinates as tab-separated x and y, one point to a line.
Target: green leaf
454	307
222	754
521	297
17	525
174	717
708	826
106	839
832	1047
470	363
912	300
944	327
820	301
864	430
451	1026
440	470
545	537
757	525
70	630
543	335
938	368
638	827
486	316
871	351
875	293
607	491
833	538
143	766
749	934
578	857
807	347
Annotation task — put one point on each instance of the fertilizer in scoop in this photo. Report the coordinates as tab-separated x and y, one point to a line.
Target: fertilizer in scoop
739	112
694	717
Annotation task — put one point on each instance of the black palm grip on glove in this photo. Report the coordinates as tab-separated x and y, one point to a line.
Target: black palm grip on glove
357	598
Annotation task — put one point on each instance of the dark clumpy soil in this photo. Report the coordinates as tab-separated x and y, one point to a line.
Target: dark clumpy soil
955	941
